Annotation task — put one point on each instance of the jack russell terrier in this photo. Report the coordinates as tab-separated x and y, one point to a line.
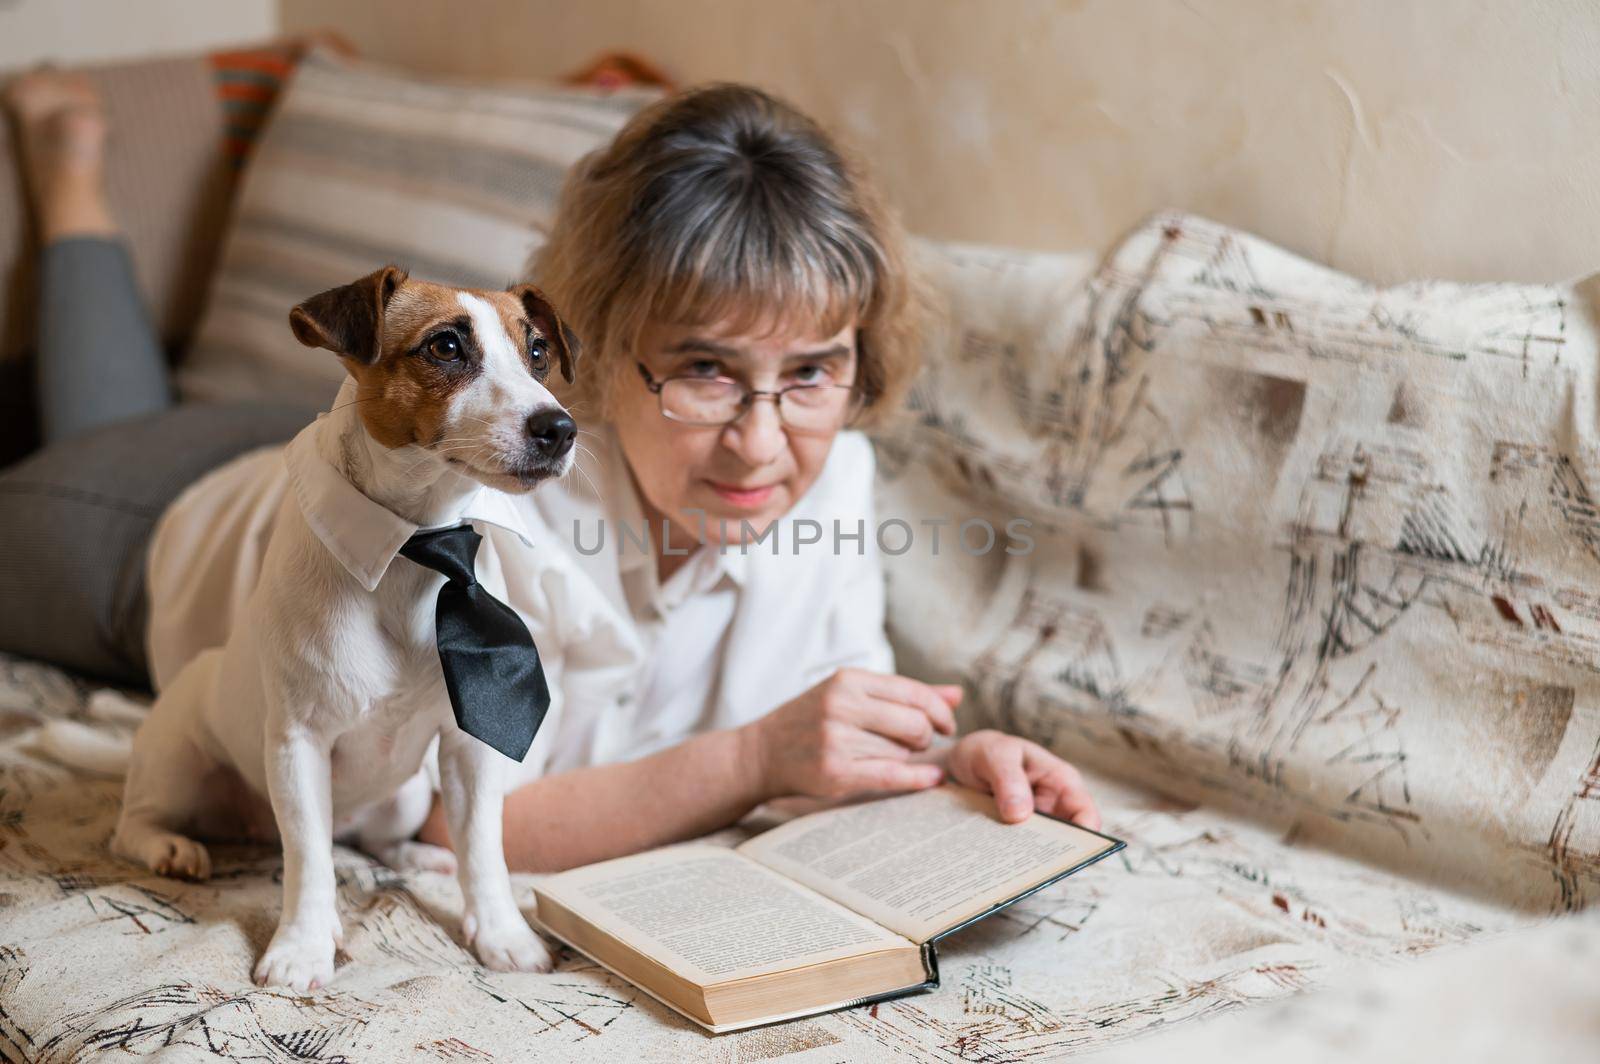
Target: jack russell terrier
327	695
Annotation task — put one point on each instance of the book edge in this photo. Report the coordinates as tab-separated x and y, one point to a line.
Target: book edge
1116	845
930	965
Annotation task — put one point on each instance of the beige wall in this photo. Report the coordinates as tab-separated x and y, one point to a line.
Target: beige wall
1391	138
73	31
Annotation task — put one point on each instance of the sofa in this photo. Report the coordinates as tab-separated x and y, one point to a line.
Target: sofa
1308	600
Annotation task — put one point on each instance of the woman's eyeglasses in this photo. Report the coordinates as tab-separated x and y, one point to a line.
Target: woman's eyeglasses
714	401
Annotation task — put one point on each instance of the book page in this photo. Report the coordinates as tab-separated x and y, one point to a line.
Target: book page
713	916
922	863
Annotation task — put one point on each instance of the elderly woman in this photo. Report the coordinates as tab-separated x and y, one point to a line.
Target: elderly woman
744	303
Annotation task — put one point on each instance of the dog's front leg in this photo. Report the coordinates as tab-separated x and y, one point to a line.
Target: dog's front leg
470	779
300	781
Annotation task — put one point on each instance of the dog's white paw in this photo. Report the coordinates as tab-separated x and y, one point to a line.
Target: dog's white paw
508	945
298	958
411	856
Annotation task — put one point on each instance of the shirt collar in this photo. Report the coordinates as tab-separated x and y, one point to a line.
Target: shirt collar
362	534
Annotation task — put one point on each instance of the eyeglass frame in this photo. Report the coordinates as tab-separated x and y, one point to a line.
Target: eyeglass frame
748	402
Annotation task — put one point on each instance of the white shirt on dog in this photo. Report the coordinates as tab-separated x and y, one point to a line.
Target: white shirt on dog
634	665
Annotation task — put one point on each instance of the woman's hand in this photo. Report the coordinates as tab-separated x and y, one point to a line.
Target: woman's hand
1022	776
854	733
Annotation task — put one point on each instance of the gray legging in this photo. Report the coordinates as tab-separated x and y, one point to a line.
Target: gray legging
76	517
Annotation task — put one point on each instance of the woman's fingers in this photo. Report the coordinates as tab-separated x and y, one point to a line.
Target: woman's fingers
1059	789
1000	765
897	776
862	729
868	746
904	724
914	693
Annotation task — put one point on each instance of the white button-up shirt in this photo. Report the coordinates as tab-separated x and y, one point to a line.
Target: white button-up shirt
634	665
733	633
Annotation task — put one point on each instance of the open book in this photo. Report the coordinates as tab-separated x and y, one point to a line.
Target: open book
829	910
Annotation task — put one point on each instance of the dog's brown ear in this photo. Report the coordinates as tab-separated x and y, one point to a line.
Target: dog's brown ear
348	320
543	314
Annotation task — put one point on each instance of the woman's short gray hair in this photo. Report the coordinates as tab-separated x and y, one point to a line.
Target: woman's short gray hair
725	205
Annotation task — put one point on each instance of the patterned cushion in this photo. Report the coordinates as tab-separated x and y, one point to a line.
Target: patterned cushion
1303	547
248	82
361	166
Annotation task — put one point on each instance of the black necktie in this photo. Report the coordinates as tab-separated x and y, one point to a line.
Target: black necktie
491	667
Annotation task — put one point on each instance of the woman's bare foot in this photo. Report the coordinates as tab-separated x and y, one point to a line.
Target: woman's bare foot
62	130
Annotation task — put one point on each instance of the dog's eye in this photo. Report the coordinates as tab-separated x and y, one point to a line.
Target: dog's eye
446	347
538	350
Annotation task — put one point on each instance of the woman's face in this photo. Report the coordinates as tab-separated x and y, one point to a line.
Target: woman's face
749	472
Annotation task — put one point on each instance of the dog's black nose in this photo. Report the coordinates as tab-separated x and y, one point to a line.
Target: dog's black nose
552	432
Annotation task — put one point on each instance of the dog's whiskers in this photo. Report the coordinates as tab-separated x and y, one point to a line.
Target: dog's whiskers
354	402
578	468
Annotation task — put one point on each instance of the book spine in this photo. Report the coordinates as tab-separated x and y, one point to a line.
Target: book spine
930	965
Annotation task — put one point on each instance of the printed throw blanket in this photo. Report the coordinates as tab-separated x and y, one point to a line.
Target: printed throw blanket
1316	551
1303	550
1202	914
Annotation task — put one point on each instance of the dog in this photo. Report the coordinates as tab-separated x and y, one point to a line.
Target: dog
324	700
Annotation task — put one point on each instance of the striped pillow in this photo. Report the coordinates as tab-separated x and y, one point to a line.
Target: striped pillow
361	166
